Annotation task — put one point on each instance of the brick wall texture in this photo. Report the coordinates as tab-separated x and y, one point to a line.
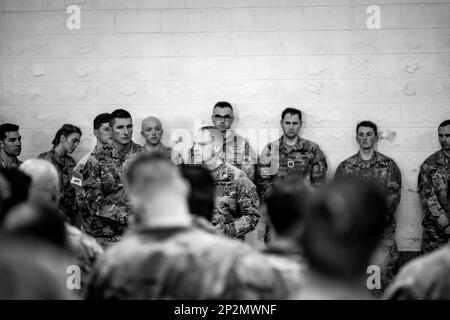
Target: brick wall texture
176	58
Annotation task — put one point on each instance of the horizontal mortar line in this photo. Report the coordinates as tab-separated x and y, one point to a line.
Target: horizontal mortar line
218	56
68	33
404	104
8	81
230	55
235	7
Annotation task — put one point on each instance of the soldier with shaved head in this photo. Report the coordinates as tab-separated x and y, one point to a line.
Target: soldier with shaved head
152	131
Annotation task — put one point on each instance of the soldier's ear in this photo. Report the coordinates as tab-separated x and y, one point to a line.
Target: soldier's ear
95	133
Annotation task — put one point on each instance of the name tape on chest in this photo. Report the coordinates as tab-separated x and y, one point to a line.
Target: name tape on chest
76	181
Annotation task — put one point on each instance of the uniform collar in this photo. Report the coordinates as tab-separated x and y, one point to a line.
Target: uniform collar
15	162
114	153
442	158
298	146
371	161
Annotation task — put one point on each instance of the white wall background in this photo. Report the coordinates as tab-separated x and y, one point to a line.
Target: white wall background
176	58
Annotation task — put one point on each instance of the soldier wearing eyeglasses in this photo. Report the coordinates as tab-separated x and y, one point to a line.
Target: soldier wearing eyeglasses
236	149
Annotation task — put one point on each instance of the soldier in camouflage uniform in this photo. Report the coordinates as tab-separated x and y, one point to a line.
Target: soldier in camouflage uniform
286	209
291	155
152	132
236	149
102	133
235	212
425	278
44	191
10	145
434	178
370	164
165	257
105	194
65	142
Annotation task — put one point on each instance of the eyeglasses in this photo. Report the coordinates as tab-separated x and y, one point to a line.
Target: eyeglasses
226	118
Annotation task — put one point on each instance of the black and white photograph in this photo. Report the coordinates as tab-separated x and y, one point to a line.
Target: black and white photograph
248	152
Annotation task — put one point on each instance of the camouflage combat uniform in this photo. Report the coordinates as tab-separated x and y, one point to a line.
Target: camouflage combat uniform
105	194
289	262
235	212
385	172
182	263
15	164
434	191
80	174
426	278
279	161
86	251
68	203
238	152
164	151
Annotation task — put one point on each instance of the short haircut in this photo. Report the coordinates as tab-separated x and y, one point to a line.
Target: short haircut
342	230
101	119
145	159
286	204
223	104
119	114
367	124
445	123
7	127
214	132
66	130
202	196
19	185
44	223
292	111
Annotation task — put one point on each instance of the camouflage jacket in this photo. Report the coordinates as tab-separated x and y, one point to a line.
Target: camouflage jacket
164	151
434	178
81	173
235	211
279	161
105	194
289	262
182	263
16	163
65	165
86	251
425	278
317	286
381	169
238	152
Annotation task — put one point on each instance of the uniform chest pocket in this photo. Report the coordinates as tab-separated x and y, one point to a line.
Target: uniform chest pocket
111	177
298	163
440	180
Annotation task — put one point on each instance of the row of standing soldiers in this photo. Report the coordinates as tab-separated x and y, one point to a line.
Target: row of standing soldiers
94	186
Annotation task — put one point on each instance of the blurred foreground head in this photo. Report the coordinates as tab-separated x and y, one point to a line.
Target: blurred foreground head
44	188
343	225
286	206
202	195
40	218
31	270
39	222
14	187
157	191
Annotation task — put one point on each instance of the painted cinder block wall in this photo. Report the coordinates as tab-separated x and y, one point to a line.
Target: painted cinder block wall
176	58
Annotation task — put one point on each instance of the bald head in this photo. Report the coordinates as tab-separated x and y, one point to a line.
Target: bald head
44	181
152	131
